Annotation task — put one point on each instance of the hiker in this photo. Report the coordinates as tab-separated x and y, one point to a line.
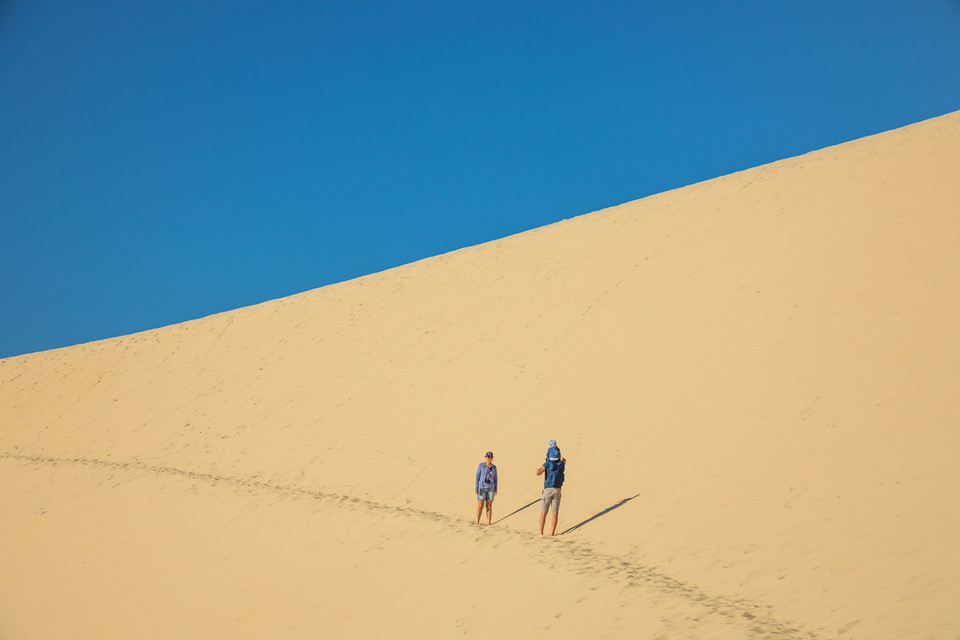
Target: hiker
485	486
553	467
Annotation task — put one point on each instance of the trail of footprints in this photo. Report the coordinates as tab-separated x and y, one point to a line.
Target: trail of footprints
585	560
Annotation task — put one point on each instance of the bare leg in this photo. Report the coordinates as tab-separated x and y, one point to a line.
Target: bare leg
553	530
543	519
489	510
479	510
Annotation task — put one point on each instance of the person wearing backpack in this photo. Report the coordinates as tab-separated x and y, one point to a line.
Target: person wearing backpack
485	486
553	471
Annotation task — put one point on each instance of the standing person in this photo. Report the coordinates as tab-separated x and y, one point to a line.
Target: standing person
486	486
553	467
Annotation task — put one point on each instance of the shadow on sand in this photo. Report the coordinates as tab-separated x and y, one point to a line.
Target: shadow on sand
517	511
594	517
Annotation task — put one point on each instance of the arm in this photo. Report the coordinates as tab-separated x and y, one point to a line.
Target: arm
540	470
476	482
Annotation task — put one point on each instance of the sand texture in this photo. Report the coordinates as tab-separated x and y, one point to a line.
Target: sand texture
755	381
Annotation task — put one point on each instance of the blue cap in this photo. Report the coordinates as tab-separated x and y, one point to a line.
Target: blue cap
552	443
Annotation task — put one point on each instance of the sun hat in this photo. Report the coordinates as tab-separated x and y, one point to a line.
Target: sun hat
553	453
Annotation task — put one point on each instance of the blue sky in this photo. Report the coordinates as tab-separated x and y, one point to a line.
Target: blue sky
163	161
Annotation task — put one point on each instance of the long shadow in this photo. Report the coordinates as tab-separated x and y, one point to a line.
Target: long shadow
518	510
594	517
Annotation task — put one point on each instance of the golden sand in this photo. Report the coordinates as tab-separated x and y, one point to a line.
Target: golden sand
754	380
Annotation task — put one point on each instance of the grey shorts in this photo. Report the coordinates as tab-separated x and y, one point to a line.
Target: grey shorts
550	500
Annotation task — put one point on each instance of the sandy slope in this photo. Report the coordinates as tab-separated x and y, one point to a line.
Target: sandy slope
755	380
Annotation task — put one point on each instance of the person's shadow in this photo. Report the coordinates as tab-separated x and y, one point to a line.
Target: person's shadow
518	510
595	516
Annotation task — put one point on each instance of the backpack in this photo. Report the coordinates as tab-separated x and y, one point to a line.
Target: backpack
554	473
553	454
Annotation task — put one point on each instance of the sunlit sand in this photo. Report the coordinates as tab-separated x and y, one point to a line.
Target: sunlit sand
754	380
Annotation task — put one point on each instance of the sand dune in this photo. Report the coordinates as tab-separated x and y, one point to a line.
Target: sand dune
754	379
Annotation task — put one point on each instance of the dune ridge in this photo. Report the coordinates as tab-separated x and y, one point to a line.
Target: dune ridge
753	379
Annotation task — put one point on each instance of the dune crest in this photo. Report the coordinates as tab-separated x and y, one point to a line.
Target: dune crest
754	379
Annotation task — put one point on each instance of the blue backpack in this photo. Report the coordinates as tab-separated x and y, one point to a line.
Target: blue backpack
554	473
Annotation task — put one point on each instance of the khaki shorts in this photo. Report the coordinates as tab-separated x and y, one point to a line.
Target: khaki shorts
550	500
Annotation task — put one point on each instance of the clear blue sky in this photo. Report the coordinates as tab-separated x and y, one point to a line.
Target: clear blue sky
163	161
